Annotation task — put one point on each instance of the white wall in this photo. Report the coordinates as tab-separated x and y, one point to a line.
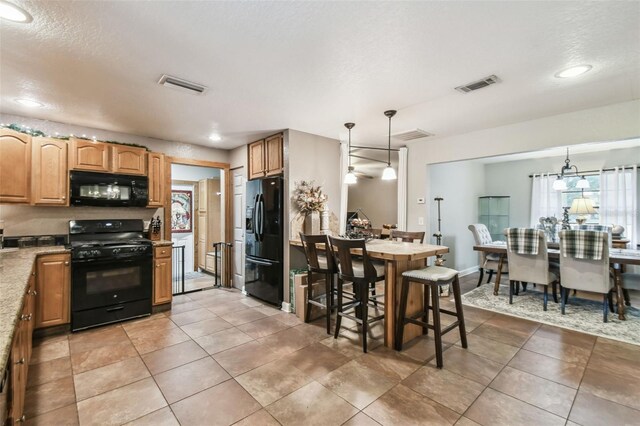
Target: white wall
185	238
32	220
512	178
609	123
377	198
308	157
460	184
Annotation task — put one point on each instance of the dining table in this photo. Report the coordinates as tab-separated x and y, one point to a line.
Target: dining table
398	257
617	258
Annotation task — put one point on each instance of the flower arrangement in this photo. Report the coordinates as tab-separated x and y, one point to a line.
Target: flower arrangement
309	198
360	223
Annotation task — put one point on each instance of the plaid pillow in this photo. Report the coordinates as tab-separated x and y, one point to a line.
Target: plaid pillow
581	244
522	240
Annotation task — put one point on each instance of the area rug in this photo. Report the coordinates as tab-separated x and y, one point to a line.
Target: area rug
582	314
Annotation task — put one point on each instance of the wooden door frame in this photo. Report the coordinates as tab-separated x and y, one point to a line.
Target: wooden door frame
228	225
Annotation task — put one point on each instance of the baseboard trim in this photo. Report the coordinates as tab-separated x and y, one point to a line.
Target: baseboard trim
468	271
286	307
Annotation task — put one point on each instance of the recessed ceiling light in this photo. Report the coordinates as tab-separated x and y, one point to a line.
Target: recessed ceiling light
573	71
29	103
215	137
14	13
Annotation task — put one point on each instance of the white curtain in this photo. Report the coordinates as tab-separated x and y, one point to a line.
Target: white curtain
619	200
344	188
402	188
545	201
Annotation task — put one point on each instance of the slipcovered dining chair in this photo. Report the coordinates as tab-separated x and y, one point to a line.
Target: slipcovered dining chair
488	261
406	236
529	261
584	265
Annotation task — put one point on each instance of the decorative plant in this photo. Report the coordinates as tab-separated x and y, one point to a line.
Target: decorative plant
309	198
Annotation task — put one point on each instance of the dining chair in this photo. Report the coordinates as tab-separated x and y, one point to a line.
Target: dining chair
488	261
584	265
406	236
362	273
529	261
319	261
601	228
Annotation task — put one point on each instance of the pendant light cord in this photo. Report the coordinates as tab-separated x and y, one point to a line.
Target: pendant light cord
389	145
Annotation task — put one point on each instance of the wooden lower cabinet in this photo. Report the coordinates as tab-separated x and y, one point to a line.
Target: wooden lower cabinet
53	286
162	291
20	356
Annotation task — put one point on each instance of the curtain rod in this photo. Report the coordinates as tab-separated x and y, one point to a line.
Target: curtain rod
588	172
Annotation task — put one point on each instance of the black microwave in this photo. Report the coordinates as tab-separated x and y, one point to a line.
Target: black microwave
108	190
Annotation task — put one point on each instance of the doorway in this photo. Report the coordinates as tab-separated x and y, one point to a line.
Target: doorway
198	225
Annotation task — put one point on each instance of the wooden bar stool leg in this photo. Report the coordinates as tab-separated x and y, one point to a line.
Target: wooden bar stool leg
327	299
437	329
364	290
339	311
307	315
425	318
404	293
458	300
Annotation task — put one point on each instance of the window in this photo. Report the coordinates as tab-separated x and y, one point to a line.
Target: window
572	193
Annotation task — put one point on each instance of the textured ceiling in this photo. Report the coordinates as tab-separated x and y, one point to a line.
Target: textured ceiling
312	66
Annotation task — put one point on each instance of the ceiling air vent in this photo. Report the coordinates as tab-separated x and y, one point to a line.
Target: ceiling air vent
492	79
412	135
180	84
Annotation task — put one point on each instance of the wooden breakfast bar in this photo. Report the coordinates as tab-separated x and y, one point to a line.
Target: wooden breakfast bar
399	257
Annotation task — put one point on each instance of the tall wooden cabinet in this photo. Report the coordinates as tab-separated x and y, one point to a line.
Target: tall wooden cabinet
15	167
49	172
162	291
209	219
156	179
53	284
266	157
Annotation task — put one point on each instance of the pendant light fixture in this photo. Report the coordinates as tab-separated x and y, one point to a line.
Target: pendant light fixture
350	178
389	173
560	185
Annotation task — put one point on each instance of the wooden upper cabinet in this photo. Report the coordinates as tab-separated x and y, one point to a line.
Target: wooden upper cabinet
53	287
266	157
128	160
156	179
273	155
15	167
256	159
88	155
49	172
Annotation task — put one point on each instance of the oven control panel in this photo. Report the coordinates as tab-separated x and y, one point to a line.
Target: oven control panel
111	252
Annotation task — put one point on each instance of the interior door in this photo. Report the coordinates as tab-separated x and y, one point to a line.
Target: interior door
238	228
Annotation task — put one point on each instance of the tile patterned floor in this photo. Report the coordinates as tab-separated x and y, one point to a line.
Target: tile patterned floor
220	358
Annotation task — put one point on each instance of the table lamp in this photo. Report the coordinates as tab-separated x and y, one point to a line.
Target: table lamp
582	206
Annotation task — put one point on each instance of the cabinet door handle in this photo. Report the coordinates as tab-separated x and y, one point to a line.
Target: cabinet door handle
20	361
34	293
66	263
26	317
64	198
21	419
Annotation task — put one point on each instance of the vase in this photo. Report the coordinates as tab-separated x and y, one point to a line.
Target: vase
312	223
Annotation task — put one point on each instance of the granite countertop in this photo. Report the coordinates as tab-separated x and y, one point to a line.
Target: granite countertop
160	243
15	268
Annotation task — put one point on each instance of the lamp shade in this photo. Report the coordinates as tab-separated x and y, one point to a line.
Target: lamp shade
559	184
350	178
389	173
582	206
583	183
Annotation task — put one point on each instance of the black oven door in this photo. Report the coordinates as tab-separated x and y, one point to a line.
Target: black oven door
99	283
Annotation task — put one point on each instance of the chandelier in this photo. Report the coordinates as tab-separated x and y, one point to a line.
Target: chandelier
568	169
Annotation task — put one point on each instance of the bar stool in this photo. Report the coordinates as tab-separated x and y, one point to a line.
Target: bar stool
362	273
319	261
432	277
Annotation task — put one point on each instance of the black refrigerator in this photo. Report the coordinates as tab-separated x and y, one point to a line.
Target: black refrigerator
264	239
